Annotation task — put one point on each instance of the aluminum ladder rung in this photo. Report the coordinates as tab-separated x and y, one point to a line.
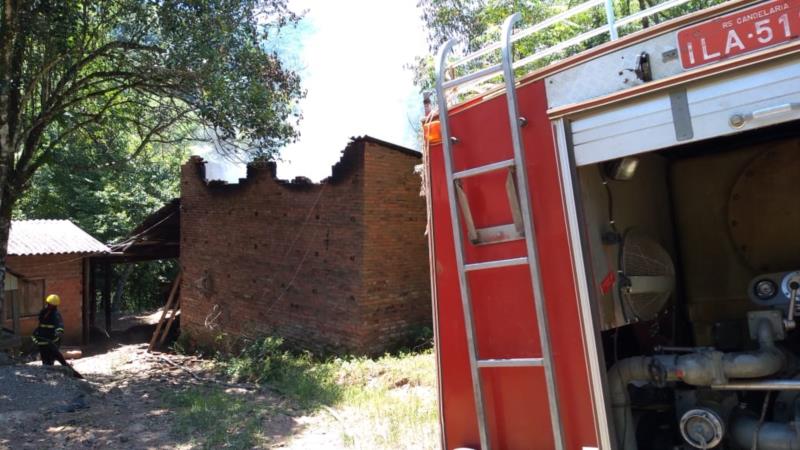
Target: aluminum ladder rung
511	362
486	72
484	169
521	261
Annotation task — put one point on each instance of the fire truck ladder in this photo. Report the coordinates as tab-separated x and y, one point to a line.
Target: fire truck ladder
456	195
519	197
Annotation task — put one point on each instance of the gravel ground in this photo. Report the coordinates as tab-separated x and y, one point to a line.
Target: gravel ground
28	389
119	405
28	393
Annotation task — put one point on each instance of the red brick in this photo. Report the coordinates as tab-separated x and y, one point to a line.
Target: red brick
340	266
63	275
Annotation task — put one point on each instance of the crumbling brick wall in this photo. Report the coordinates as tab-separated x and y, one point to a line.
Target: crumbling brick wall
63	275
302	260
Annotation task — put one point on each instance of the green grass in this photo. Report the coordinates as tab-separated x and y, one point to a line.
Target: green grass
389	403
383	403
297	375
216	419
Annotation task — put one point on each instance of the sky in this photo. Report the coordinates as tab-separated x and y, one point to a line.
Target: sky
351	56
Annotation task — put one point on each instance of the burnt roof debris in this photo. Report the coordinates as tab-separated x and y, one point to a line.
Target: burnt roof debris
157	237
352	157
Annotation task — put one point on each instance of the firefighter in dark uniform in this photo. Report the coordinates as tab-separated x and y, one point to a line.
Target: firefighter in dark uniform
48	334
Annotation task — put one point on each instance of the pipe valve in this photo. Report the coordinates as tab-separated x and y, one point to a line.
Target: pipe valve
702	428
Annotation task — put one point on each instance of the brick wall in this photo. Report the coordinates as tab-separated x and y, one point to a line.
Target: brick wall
396	286
63	276
272	257
267	256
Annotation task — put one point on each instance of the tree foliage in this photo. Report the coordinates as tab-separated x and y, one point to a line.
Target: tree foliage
81	73
476	23
102	190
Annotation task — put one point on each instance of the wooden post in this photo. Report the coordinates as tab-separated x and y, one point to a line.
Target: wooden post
92	294
15	313
107	295
167	307
169	322
87	298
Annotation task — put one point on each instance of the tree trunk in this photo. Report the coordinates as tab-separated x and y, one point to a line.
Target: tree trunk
6	207
9	96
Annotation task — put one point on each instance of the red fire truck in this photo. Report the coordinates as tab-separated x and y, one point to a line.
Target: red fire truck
615	236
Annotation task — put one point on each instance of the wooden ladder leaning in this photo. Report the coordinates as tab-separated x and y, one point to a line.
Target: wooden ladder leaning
171	309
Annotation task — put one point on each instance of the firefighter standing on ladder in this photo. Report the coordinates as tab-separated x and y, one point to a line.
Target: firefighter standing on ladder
47	335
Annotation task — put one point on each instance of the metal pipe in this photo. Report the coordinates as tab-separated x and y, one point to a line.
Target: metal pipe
522	260
765	385
563	45
530	30
648	12
511	362
761	363
610	18
619	376
789	323
485	72
703	368
669	349
771	435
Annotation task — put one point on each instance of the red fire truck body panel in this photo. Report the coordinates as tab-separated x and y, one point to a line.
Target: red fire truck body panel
586	124
505	318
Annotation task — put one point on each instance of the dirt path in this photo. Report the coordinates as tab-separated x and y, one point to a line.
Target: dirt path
121	405
135	400
116	407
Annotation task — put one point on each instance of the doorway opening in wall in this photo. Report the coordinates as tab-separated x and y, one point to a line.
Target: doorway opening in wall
693	262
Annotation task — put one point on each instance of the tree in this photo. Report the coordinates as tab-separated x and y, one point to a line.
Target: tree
453	19
100	188
72	70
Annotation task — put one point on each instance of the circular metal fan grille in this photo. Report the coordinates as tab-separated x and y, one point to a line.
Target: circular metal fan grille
650	275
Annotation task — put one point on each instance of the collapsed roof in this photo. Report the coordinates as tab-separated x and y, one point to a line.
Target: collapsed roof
157	237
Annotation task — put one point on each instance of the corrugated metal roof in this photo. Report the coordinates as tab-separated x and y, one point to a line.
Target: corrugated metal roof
50	237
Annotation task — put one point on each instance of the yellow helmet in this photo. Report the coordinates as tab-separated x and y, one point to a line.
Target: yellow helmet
53	299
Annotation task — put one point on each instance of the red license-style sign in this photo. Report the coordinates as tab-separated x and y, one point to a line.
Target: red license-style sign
754	28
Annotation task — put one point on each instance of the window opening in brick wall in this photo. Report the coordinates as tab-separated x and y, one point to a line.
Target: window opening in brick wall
30	294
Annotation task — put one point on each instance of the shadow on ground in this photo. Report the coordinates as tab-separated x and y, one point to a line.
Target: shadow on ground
134	400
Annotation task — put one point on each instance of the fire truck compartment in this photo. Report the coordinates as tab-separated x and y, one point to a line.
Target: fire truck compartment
693	266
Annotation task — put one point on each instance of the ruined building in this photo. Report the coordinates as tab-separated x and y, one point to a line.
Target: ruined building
337	266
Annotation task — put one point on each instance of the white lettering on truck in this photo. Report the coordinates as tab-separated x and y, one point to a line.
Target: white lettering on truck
733	41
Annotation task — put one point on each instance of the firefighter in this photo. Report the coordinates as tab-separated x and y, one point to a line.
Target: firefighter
47	335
